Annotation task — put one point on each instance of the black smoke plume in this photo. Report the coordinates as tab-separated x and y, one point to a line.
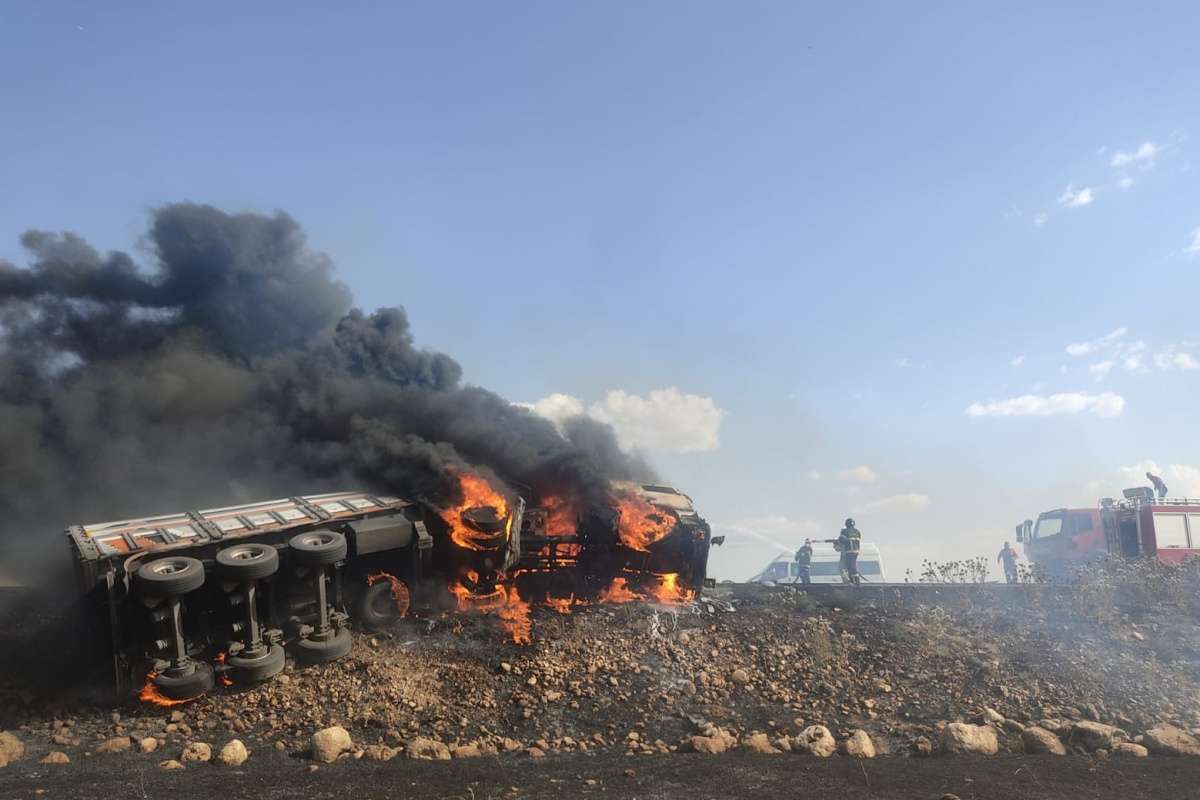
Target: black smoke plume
233	369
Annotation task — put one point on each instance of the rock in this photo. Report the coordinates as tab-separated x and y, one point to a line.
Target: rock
117	744
1171	741
1040	740
329	743
11	749
466	751
234	753
170	763
1060	727
176	716
148	745
1096	735
992	717
758	743
960	737
1012	726
56	757
922	747
511	744
427	749
858	745
196	751
740	676
379	752
535	752
1130	750
817	740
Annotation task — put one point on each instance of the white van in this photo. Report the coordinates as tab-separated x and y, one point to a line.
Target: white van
825	566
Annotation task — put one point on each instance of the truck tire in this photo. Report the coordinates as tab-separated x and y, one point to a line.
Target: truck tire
322	651
252	670
317	548
248	562
188	686
173	575
378	607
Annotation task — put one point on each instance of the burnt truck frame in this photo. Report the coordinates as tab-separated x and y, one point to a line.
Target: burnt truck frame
170	596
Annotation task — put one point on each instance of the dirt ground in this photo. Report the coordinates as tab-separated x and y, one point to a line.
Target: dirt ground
611	688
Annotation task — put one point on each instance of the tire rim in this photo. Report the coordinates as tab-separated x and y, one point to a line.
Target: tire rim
245	554
169	566
316	539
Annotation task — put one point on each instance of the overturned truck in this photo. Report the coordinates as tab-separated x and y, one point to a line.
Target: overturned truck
186	600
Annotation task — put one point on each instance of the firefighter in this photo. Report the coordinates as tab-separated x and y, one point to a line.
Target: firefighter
803	562
1009	557
1158	484
848	543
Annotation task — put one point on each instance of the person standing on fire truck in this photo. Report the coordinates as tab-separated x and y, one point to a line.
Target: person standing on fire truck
1158	484
1009	556
848	543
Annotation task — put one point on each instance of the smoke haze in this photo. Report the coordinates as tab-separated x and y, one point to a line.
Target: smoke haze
234	368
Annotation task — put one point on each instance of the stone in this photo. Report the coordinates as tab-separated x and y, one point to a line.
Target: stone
1040	740
816	740
234	753
427	749
992	717
710	745
535	752
148	745
858	745
1096	735
117	744
329	743
56	757
740	676
922	747
466	751
379	752
758	743
1130	750
961	737
170	763
1171	741
11	749
196	751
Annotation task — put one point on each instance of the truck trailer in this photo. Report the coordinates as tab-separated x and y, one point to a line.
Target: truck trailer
187	599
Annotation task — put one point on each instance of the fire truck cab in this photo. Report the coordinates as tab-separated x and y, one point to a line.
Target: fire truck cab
1137	525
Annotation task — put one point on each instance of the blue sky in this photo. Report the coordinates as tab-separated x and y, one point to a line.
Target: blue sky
800	242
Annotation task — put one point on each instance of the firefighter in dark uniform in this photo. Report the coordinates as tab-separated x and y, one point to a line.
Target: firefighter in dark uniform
1159	486
848	543
803	562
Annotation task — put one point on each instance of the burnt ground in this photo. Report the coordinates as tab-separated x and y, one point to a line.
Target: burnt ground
610	688
749	775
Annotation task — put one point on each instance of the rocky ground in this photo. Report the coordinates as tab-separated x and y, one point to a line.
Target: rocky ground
746	672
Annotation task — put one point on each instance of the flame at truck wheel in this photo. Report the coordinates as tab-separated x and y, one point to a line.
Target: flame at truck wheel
400	593
477	493
151	694
641	524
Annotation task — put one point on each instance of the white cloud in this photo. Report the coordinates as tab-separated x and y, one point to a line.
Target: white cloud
899	502
902	363
814	475
863	474
667	420
1105	404
1097	344
1144	155
1100	369
1018	361
1172	357
1132	363
1125	182
1076	198
1193	248
1040	218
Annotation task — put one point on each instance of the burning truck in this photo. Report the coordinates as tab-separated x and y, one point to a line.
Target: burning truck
191	599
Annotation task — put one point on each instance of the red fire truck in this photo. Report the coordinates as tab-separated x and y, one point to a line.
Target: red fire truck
1136	525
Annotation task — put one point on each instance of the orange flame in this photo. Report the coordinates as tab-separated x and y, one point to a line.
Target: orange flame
641	524
562	515
399	590
617	592
561	604
151	694
668	589
515	616
225	679
477	493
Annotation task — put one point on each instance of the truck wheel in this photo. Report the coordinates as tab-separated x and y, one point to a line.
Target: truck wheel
188	686
249	669
173	575
248	562
320	651
378	606
317	548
